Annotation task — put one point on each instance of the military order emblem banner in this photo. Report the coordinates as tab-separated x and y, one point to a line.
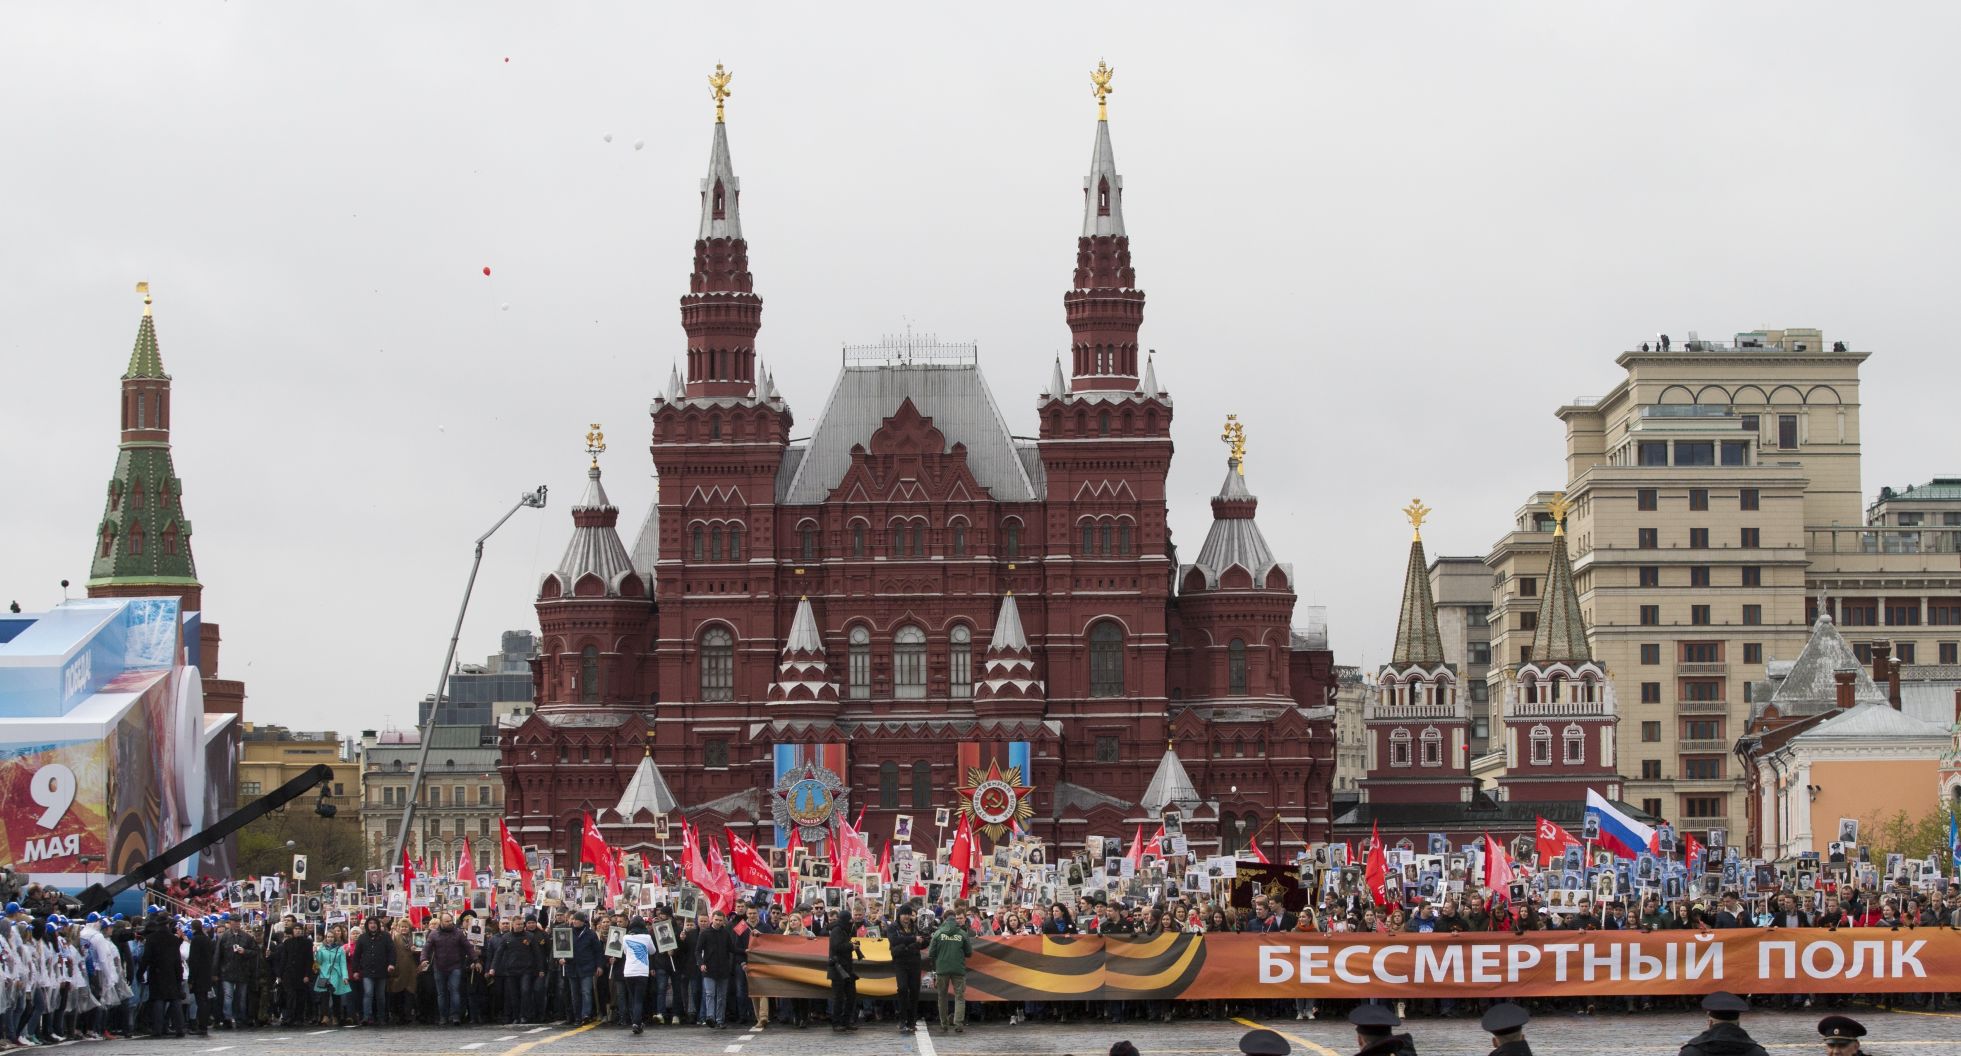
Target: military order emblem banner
996	787
809	791
1288	964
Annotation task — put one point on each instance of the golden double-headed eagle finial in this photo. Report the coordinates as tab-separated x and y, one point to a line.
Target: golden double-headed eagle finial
1099	78
1234	435
1559	506
1417	514
595	443
718	86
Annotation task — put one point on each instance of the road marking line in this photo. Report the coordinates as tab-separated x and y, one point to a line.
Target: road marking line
508	1037
536	1030
317	1033
1935	1015
520	1050
221	1048
924	1038
747	1037
472	1045
1318	1050
733	1048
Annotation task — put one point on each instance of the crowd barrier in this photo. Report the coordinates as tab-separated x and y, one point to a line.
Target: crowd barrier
1240	966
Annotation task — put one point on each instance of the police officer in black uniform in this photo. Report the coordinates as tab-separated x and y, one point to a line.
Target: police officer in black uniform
1841	1035
1263	1043
1725	1036
1375	1032
1505	1022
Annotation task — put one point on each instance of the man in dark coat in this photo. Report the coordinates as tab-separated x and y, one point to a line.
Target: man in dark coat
906	941
513	966
202	969
843	973
292	972
583	970
238	968
374	961
163	967
446	955
1725	1036
716	952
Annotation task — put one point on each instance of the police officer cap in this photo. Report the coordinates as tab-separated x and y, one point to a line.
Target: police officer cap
1505	1018
1724	1005
1840	1028
1264	1043
1372	1019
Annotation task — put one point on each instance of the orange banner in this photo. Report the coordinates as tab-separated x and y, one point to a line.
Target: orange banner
1293	964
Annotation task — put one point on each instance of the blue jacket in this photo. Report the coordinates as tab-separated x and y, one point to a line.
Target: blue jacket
588	953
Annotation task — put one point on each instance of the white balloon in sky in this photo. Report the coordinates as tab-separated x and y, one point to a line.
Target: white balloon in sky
505	307
608	137
638	143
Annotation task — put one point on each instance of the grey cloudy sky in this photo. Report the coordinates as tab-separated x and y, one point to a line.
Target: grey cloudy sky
1391	237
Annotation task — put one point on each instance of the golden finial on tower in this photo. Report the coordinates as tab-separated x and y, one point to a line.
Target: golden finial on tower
1417	514
718	85
595	444
144	289
650	740
1559	507
1100	79
1234	435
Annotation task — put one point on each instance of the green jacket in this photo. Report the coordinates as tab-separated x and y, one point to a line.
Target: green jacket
949	949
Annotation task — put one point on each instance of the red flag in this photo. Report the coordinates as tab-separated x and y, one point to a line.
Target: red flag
1156	846
466	864
750	868
1552	841
1258	855
1691	850
885	863
1376	872
716	883
595	852
514	859
1498	874
961	854
788	899
1136	854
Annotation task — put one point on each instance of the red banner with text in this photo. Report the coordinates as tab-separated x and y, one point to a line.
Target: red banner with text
1545	963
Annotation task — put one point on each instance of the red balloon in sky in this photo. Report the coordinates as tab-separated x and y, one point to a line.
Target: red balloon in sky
486	269
507	58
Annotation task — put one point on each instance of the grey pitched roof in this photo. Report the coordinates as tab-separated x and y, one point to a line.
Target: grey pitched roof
1102	166
1417	639
1007	626
647	790
646	545
1562	632
722	169
1234	538
1069	794
804	636
954	396
595	545
1810	687
1170	786
1873	720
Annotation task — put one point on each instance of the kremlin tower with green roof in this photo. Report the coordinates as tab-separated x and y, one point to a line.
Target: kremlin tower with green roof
143	541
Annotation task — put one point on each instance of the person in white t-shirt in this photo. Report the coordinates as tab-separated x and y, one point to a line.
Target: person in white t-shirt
637	954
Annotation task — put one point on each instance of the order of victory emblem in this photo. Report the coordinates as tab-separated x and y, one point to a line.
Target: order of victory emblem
807	799
996	798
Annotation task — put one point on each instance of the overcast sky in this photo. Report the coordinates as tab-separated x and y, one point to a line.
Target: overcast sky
1392	238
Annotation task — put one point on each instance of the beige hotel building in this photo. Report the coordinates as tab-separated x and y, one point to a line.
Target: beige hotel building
1717	499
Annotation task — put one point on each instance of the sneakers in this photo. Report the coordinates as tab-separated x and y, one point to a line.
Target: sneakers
960	1030
636	1028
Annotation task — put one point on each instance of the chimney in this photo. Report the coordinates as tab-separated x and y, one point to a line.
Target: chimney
1893	683
1882	650
1847	680
1957	707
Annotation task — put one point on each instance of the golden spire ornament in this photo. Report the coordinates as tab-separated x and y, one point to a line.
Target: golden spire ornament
1099	78
595	443
1559	507
718	86
144	289
1417	514
1234	435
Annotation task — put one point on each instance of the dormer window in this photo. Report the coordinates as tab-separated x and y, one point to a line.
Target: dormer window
1103	197
719	212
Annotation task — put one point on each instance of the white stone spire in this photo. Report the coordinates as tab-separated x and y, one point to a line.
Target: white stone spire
1102	188
1170	787
1058	385
1008	671
646	792
804	674
721	191
1149	386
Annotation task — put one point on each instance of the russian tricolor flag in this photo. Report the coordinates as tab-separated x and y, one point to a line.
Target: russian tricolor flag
1619	833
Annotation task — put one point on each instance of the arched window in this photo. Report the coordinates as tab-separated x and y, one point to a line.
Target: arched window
1541	746
700	548
1011	539
919	538
807	539
860	667
901	538
1106	659
959	539
715	543
909	663
1236	667
1399	747
1228	833
888	785
960	661
1103	537
715	425
1239	747
1123	538
1576	743
108	540
1433	747
858	539
1103	423
717	665
735	542
922	785
1089	538
589	675
1103	197
136	539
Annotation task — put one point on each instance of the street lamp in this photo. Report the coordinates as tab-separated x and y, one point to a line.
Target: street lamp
535	500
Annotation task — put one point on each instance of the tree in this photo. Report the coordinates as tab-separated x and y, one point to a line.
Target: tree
330	845
1903	834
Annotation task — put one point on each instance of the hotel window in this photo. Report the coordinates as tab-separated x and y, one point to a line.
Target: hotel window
1699	615
717	665
1753	652
1650	538
1651	575
860	666
1787	431
1652	452
1702	768
1735	453
1858	612
1651	732
1903	612
1702	652
1698	575
1650	692
1753	615
1751	538
1650	615
1698	498
1695	453
1698	538
1647	499
1528	586
1541	746
1749	499
1703	807
960	660
1943	612
909	663
1651	652
1651	807
1902	651
1528	621
1480	692
249	788
1950	652
1650	769
1479	652
1702	729
1863	651
1753	575
1702	689
1106	660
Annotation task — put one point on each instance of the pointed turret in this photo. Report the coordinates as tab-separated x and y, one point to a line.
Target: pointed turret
1149	386
721	312
1058	385
1417	639
804	675
1235	540
595	563
647	795
143	542
1008	685
1561	636
1105	308
1171	787
592	609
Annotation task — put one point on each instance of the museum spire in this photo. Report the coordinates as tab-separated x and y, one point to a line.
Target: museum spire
1105	309
721	312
